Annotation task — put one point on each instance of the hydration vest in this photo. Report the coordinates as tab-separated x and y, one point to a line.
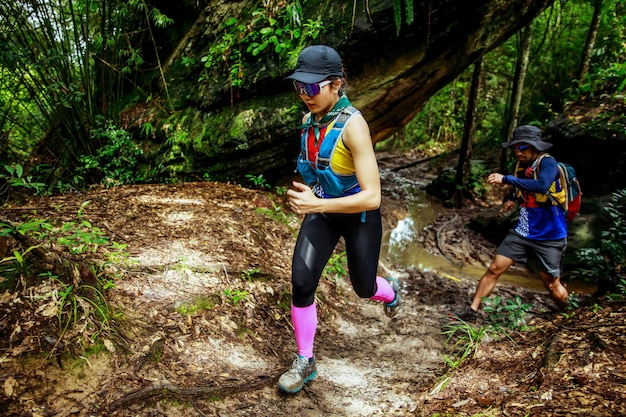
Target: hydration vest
564	190
320	172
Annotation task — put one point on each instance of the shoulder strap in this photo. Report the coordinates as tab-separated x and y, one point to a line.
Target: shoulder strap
537	162
332	135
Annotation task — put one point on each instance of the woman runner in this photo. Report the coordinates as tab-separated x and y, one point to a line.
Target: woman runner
340	197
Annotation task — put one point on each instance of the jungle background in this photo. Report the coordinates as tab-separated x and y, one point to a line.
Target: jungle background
145	149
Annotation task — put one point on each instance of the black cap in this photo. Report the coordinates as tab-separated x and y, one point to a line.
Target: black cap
528	134
316	63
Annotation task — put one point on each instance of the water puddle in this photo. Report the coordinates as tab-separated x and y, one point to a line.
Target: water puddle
401	247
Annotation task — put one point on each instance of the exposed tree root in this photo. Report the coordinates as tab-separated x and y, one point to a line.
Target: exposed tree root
440	243
164	389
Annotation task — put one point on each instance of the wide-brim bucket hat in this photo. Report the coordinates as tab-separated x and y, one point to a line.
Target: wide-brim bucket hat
531	135
316	63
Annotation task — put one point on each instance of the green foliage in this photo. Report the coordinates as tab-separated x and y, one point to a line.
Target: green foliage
609	81
234	296
198	304
558	37
74	302
409	14
78	236
277	214
16	269
259	181
78	297
16	177
62	66
336	267
275	26
463	340
281	190
606	263
620	291
114	163
247	274
506	313
439	126
608	84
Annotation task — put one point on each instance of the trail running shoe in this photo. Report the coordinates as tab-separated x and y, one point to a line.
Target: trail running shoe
302	370
392	308
467	314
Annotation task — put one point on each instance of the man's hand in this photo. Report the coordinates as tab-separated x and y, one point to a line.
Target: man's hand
508	205
494	178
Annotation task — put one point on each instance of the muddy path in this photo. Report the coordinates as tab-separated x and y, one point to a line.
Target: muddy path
202	326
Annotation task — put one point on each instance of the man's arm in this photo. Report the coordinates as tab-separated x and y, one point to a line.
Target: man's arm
547	173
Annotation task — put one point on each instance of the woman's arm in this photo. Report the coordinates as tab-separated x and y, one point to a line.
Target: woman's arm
356	136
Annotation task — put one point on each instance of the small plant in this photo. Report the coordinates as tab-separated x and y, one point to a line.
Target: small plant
235	296
281	190
75	303
259	181
17	269
463	340
336	268
117	254
81	237
573	302
247	274
620	291
507	313
16	177
277	214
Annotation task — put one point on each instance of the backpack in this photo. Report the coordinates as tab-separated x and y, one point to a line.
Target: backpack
569	182
568	194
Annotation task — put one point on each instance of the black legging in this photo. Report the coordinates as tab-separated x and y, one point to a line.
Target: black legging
317	239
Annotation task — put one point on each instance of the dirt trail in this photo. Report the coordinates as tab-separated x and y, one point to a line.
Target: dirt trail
205	329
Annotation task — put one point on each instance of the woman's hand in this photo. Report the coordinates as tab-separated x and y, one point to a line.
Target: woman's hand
302	200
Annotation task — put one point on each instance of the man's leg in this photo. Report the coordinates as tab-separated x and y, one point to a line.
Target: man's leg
487	282
556	289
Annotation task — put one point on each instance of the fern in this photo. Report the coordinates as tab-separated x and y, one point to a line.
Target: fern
409	13
397	15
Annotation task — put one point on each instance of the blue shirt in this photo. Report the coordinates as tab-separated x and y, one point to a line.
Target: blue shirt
538	221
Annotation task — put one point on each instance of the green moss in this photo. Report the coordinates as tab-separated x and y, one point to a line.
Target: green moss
199	304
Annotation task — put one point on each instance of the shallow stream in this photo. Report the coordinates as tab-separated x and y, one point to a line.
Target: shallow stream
401	247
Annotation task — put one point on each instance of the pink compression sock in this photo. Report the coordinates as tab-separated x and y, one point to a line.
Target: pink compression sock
304	321
384	292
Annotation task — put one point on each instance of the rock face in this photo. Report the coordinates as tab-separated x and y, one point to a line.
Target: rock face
251	128
592	137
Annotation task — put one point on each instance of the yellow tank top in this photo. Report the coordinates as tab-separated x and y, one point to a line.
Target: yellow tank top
341	160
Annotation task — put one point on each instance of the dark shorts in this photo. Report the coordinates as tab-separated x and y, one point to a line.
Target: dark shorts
545	255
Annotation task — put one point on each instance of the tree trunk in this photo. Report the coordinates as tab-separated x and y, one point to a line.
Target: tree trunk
591	40
464	166
521	68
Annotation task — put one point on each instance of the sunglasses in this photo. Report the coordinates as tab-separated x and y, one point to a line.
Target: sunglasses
520	148
310	90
